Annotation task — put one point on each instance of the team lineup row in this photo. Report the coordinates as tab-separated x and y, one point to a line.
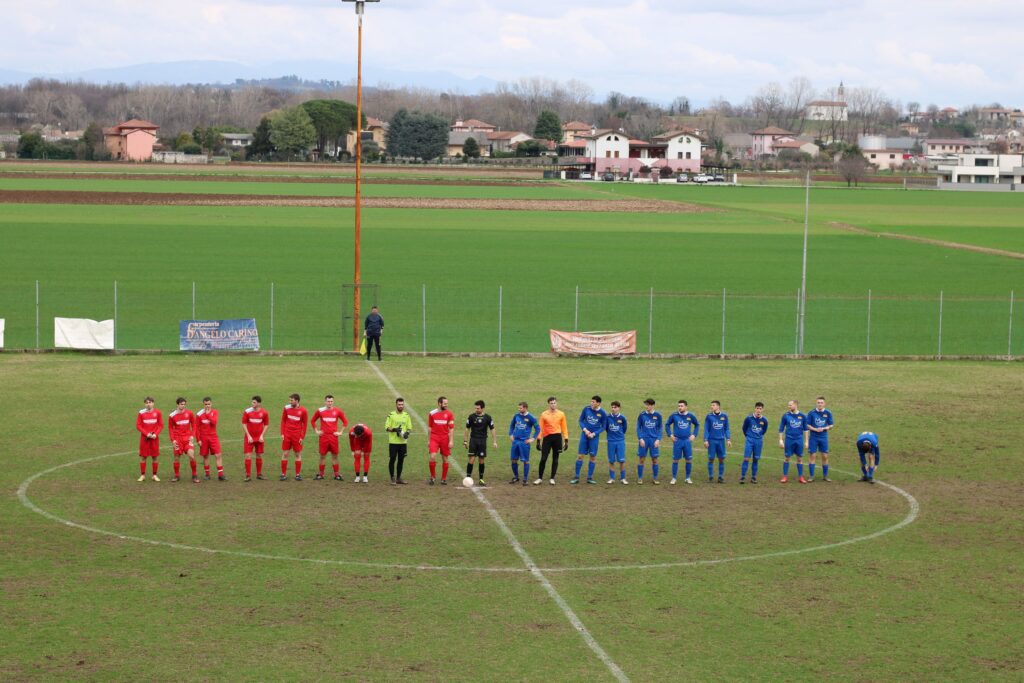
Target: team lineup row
798	433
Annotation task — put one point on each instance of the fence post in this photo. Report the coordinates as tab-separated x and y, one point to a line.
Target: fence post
868	352
576	318
796	336
650	325
271	316
940	325
500	302
115	315
1010	335
723	321
37	315
424	319
193	299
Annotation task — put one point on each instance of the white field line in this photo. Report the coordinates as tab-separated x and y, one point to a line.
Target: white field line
531	566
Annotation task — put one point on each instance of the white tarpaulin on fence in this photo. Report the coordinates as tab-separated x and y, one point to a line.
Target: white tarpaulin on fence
1	333
82	333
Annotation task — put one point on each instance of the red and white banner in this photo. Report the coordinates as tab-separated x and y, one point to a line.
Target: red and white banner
595	344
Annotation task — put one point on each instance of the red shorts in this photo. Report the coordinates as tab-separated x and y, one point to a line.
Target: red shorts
181	446
291	443
149	448
250	446
328	444
210	446
439	444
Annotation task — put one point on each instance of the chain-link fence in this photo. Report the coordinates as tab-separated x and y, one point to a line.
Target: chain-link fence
510	319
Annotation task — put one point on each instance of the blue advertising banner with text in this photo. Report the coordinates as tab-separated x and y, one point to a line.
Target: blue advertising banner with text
217	335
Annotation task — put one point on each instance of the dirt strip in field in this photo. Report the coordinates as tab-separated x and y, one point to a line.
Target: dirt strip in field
181	199
927	240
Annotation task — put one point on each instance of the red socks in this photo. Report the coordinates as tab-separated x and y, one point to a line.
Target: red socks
177	468
366	464
322	467
355	464
154	465
433	469
284	467
142	465
444	470
298	467
193	464
206	468
248	468
337	468
220	470
259	467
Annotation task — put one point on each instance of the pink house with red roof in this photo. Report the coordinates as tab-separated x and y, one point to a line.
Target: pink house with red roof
132	140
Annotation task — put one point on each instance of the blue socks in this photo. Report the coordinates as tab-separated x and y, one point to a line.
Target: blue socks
689	468
640	471
753	469
590	469
721	467
526	470
743	470
800	469
675	469
579	465
824	471
611	474
622	475
711	468
785	468
515	469
811	467
654	470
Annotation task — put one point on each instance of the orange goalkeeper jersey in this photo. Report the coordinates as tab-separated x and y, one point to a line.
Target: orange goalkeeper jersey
553	423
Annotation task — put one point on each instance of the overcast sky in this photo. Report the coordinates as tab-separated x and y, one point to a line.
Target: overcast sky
947	52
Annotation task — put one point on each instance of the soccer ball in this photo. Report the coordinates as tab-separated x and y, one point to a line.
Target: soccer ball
468	482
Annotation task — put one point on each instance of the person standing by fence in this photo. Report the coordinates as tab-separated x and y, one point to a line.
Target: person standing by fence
373	328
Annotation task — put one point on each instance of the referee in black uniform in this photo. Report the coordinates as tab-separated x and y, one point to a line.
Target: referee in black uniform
475	442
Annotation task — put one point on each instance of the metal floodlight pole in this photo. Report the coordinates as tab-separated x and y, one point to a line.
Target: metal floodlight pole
1009	337
360	6
803	270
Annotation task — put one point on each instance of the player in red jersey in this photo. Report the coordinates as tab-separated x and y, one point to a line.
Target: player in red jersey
255	421
294	421
209	442
329	417
360	440
149	423
442	425
181	427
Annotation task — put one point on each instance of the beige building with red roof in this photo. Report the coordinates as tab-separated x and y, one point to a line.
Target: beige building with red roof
763	140
473	126
574	130
132	140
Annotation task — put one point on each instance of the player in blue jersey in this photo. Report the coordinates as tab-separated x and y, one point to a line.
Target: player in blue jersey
523	429
793	440
592	422
867	449
755	426
716	437
648	433
615	427
819	423
683	427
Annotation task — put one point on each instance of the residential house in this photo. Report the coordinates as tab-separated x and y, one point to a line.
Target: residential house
947	114
574	130
763	140
826	111
375	131
472	125
681	148
1017	119
131	140
505	140
796	145
457	139
738	145
910	128
947	146
994	115
985	169
573	148
884	159
237	140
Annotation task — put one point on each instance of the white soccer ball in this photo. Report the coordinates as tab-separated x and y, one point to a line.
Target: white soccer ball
468	482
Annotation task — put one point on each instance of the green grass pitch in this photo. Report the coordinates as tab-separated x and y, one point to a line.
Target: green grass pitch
934	600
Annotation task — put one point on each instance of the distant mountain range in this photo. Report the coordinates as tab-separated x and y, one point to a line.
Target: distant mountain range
307	73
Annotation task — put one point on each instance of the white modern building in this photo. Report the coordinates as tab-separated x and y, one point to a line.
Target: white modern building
984	169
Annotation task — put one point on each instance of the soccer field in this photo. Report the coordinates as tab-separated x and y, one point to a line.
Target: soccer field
694	270
913	579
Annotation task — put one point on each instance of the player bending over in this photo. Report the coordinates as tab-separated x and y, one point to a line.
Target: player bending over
475	440
209	442
792	440
683	428
615	429
592	422
442	433
755	426
149	423
522	431
360	440
867	448
181	427
255	420
329	417
819	423
716	437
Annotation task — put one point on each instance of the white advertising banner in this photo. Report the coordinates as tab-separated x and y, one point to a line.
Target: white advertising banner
1	333
82	333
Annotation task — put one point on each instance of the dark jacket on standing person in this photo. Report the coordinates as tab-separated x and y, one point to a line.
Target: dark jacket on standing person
374	325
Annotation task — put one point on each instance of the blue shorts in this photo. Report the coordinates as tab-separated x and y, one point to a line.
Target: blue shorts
588	445
616	452
794	447
716	448
752	449
521	451
682	448
651	450
818	443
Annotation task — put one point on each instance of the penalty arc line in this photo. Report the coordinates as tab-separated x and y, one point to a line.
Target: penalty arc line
531	566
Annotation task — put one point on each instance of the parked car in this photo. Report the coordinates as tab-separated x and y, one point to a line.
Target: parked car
701	178
608	176
718	178
586	176
683	178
